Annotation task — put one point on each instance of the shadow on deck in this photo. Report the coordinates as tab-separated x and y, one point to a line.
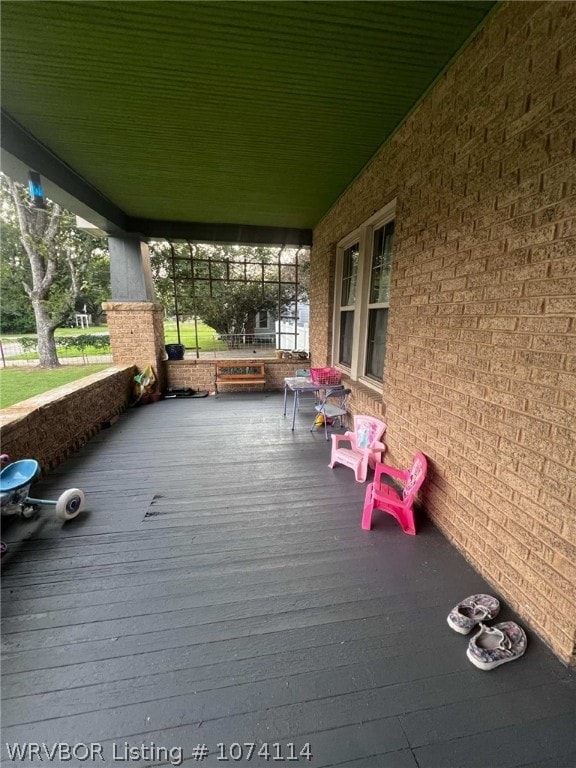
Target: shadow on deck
221	590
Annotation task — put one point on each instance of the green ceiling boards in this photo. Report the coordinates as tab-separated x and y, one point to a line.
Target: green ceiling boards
241	112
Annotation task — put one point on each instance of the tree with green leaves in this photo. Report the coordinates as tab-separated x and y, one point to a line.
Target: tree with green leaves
17	315
226	286
49	265
233	307
95	284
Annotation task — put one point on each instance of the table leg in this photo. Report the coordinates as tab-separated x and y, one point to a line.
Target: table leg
294	401
285	396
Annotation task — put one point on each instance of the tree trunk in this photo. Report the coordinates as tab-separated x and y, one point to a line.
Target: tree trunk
250	327
38	233
48	357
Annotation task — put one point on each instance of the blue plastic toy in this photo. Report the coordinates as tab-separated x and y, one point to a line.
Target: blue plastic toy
15	482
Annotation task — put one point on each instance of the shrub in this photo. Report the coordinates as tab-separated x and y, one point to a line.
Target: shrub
28	343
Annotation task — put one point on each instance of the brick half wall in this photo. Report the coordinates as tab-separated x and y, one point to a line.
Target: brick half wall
480	372
201	374
54	425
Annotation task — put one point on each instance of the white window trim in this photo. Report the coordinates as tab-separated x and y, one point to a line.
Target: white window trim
343	245
364	236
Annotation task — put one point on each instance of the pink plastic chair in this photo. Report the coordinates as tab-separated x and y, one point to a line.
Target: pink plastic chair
365	446
381	496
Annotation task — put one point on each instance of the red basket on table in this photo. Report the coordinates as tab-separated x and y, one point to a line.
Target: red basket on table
328	376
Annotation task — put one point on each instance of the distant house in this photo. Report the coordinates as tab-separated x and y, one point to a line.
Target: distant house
291	332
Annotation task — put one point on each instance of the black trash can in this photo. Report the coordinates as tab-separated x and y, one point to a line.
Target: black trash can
175	351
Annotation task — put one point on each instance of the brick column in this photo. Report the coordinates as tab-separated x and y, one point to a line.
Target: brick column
135	320
137	334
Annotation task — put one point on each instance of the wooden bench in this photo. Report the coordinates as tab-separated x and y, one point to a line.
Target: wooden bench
240	375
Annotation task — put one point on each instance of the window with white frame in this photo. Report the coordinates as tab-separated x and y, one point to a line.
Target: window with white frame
348	303
363	271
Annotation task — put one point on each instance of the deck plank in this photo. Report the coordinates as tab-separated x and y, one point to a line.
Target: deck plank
220	589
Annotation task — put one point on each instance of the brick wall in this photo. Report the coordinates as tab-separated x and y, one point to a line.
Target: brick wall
201	374
52	426
480	371
136	334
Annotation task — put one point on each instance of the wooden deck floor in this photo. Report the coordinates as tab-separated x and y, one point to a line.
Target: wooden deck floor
221	590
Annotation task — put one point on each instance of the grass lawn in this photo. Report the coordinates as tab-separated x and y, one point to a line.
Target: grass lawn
206	335
206	338
58	332
63	352
18	384
80	331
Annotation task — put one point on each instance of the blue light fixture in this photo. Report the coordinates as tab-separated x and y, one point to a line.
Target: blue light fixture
35	188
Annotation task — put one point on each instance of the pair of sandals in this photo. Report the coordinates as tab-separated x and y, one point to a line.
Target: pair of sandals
490	646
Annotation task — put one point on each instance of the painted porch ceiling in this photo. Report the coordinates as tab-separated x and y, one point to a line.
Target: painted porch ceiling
247	112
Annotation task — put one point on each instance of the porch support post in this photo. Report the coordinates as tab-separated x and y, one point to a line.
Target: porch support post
135	320
130	271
